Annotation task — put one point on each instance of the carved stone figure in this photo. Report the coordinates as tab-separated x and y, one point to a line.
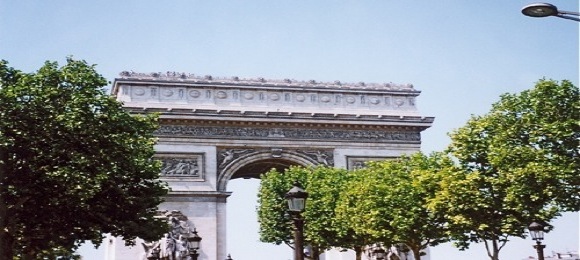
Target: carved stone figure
320	156
283	133
151	250
167	247
229	155
173	245
176	166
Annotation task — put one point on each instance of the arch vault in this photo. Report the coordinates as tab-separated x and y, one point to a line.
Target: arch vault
215	129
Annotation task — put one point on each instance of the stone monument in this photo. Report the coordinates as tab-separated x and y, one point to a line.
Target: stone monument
216	129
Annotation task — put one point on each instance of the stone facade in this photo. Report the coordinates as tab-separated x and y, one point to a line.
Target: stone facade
217	129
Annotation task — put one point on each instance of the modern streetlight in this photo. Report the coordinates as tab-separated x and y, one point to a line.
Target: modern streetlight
537	233
193	242
296	198
545	10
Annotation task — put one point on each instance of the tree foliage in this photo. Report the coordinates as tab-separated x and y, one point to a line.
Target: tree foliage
520	164
388	201
73	163
322	231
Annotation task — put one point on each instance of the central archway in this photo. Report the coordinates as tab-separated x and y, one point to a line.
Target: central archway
243	238
252	164
243	183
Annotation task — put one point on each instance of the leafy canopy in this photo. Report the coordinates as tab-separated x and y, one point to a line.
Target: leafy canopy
73	163
520	164
388	201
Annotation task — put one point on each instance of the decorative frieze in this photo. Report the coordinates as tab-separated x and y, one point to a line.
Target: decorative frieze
181	165
226	156
287	133
260	97
180	91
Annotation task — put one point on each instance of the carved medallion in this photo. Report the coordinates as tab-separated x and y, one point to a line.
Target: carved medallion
168	93
139	91
221	95
194	94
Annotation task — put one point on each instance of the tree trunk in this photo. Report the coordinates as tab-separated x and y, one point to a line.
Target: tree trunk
315	253
358	251
6	239
416	249
495	250
492	252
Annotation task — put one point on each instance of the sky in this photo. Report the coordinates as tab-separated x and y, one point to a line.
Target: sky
461	54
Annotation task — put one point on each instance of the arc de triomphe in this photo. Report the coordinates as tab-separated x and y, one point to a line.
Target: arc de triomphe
216	129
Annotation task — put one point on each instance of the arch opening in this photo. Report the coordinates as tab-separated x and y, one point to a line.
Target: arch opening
254	170
242	224
251	166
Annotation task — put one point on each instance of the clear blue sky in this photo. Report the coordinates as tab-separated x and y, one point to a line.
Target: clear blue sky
461	54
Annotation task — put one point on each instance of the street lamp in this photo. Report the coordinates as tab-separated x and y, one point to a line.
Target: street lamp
537	234
296	198
229	257
545	10
193	242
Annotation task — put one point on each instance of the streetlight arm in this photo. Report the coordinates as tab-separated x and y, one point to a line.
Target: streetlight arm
561	15
569	12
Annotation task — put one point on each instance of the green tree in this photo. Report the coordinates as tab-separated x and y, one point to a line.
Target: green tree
73	163
272	208
388	201
322	231
520	164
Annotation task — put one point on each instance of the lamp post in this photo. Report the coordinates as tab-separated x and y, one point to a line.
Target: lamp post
229	257
296	198
193	242
545	10
537	234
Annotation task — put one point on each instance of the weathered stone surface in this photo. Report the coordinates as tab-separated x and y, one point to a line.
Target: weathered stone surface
216	129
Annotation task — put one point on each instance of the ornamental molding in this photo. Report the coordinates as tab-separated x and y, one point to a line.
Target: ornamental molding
227	156
345	135
259	81
283	99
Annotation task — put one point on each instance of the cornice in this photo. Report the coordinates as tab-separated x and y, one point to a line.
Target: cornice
183	78
238	117
179	96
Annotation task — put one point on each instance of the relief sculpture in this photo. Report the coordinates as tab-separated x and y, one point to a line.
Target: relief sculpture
180	167
227	156
321	157
173	245
293	133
